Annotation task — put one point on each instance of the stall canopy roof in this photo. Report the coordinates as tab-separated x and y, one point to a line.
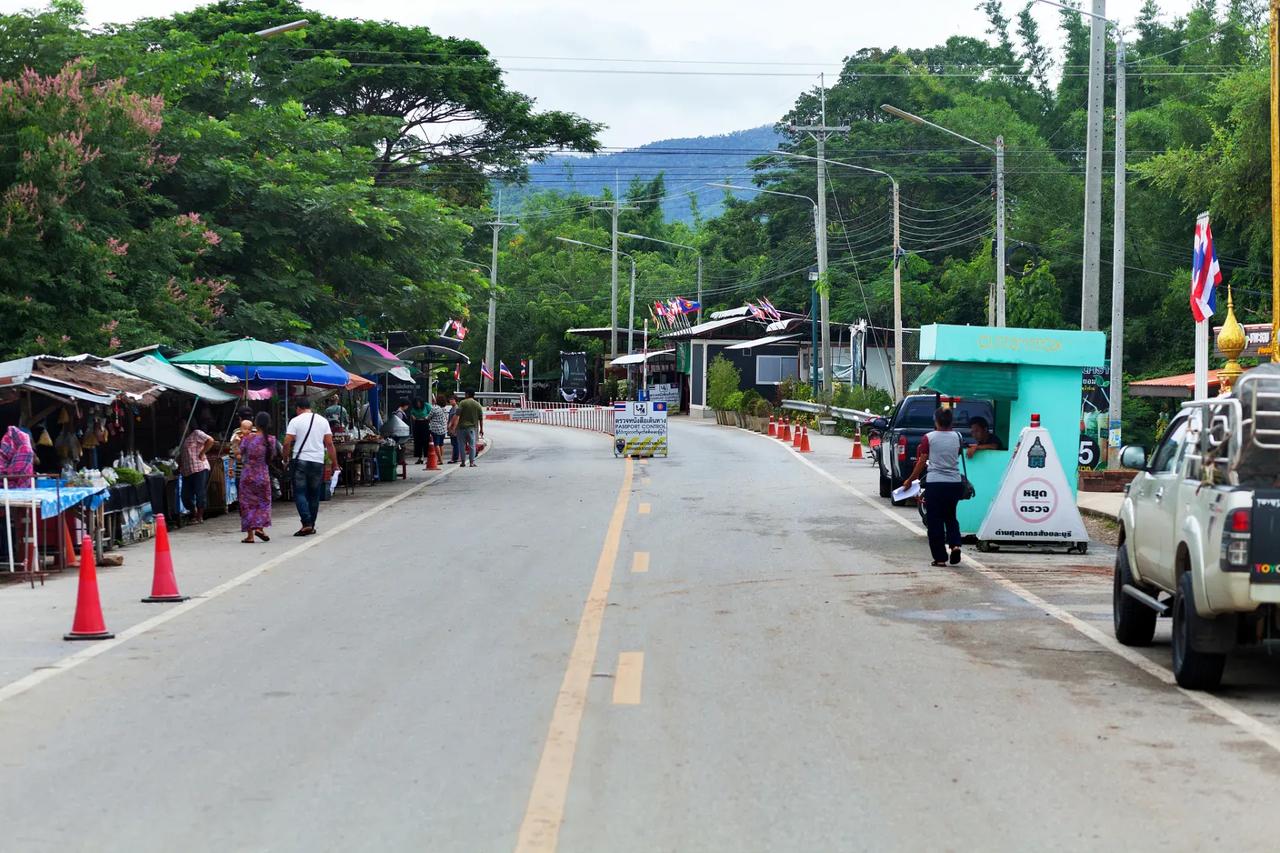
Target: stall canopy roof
434	353
703	329
162	373
970	379
763	342
82	377
638	357
1182	386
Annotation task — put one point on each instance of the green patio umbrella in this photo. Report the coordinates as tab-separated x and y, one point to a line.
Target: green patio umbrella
248	352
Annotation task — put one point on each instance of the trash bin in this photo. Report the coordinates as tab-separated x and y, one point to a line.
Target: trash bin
387	463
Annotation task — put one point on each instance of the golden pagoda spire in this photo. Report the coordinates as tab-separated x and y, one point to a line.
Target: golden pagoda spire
1231	341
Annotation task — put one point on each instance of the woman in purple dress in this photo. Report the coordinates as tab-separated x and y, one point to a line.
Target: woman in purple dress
257	450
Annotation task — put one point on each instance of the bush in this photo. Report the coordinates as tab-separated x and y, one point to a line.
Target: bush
749	399
733	402
722	380
762	408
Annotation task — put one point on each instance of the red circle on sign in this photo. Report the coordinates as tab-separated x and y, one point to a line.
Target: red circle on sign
1022	504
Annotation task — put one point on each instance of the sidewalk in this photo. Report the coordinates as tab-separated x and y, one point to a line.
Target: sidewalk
32	621
1101	504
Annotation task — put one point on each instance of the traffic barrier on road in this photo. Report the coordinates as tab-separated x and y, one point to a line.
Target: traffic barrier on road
433	462
795	442
88	623
804	440
574	415
164	585
785	432
773	427
857	443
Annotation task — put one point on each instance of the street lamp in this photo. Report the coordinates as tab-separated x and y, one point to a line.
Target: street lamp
998	151
898	377
817	240
283	28
678	246
631	314
1115	392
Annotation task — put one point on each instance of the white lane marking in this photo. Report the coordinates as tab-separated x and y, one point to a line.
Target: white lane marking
1269	735
27	682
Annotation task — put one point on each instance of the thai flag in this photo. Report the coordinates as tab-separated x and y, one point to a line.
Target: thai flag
460	329
619	406
1205	273
769	309
524	368
504	371
486	372
457	372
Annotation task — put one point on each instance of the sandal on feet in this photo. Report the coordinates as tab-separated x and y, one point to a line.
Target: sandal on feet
941	563
264	537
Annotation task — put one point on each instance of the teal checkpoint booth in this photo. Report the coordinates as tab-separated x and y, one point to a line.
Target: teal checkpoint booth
1023	372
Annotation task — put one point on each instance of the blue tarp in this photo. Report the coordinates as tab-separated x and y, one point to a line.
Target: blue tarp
330	374
54	501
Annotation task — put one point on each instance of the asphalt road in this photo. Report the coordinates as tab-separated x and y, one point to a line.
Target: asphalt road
725	650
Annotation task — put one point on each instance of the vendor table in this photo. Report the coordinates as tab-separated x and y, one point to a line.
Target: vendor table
47	501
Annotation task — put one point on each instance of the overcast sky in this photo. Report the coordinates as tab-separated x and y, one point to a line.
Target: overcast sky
640	108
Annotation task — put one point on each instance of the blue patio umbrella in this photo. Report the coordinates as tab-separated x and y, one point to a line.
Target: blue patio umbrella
327	373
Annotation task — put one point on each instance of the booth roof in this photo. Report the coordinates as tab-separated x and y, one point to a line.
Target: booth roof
162	373
704	330
765	341
970	379
638	357
82	377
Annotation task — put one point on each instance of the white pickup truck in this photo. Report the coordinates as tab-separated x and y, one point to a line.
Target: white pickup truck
1200	531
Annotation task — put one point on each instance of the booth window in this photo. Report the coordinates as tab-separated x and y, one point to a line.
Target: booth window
773	369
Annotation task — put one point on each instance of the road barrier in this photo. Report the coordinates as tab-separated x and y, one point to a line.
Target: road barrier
575	415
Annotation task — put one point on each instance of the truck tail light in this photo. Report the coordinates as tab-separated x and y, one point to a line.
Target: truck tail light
1238	521
1236	541
902	448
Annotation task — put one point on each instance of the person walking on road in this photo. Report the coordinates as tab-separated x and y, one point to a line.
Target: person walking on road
943	487
469	426
307	443
194	467
256	451
451	429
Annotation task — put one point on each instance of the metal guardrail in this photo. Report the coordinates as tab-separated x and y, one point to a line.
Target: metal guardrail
834	411
853	414
805	406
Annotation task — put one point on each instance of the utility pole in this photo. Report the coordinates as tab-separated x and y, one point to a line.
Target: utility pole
898	386
819	134
1275	181
699	287
497	226
1115	390
1000	242
1093	168
615	207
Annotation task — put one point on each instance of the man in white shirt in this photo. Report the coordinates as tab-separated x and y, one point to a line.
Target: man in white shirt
307	442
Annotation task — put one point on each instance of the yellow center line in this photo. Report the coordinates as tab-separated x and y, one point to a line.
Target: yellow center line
540	829
627	677
644	508
640	561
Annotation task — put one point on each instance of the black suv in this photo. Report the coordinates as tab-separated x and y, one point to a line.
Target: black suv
911	418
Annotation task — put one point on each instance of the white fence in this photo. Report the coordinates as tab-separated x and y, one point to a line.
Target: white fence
590	418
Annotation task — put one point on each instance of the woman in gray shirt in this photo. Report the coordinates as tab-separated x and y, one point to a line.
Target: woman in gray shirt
943	488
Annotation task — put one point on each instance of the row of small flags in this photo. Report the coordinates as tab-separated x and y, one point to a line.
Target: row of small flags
503	370
457	327
673	313
763	310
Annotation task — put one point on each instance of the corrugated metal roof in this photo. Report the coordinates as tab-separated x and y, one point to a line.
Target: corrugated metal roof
1183	385
760	342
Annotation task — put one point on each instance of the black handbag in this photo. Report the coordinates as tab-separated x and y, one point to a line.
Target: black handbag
967	490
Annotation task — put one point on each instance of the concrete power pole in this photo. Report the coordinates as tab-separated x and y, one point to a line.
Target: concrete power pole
614	207
490	332
1000	241
1093	168
899	390
819	134
1115	391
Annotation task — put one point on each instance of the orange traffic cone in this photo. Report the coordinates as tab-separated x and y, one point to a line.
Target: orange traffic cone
857	444
773	428
804	440
164	586
785	433
69	559
433	462
795	441
88	624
